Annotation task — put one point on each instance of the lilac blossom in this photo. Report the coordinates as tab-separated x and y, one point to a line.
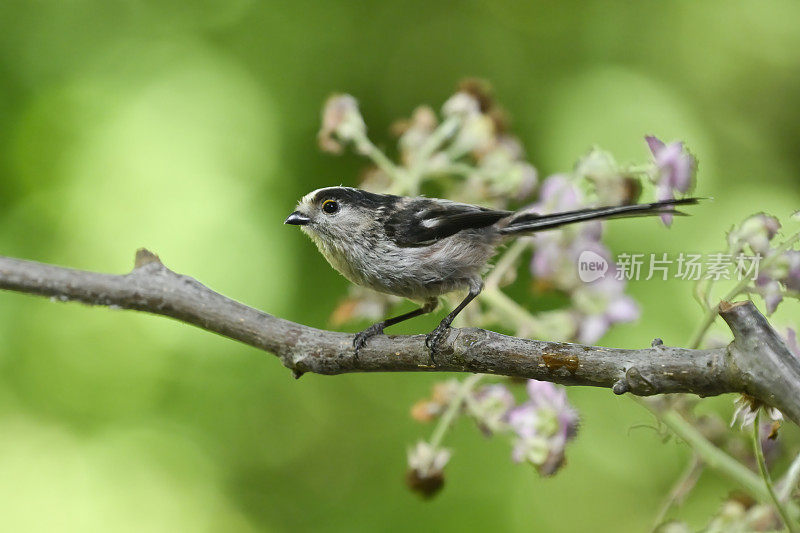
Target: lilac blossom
768	436
543	426
557	255
782	278
791	279
675	168
755	232
362	304
770	291
556	252
600	305
597	305
489	406
558	193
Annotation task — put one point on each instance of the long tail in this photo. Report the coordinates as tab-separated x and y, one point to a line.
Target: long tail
531	222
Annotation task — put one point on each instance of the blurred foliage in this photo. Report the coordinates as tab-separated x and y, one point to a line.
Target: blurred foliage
189	128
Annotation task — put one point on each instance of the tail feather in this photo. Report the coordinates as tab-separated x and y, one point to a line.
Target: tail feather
531	222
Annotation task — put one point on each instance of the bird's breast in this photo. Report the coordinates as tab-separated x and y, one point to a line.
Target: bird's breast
416	273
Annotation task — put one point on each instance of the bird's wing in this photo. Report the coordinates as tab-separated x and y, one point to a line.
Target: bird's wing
423	221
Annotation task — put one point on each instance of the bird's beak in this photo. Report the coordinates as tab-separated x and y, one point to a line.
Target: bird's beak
297	219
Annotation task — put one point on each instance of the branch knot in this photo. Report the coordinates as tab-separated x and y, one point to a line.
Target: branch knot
145	257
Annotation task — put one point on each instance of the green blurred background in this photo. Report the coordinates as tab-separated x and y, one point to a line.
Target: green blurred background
189	128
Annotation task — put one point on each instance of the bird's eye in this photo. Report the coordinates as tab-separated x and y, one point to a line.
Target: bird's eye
330	206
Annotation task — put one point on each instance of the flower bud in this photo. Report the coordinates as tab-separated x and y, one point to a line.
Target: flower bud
461	103
425	468
755	231
415	132
611	185
489	407
341	123
429	409
475	135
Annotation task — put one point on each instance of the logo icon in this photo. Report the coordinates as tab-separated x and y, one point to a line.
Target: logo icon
591	266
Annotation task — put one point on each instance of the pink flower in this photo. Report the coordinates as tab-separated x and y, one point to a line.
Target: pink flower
543	426
558	193
490	406
600	305
676	169
755	232
770	290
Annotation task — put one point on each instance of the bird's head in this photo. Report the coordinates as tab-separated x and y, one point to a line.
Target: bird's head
339	213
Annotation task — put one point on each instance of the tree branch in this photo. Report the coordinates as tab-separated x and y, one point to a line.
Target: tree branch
756	362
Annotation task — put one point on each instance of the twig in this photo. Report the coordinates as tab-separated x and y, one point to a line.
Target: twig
762	467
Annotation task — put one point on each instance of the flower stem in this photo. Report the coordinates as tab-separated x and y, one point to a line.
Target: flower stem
409	181
367	148
681	489
449	415
762	466
506	262
524	321
790	480
713	457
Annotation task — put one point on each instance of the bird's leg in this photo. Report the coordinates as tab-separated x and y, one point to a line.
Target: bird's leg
435	337
362	337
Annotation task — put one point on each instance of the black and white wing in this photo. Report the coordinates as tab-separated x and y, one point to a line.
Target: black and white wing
423	221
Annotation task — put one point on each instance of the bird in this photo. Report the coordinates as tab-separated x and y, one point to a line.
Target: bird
421	248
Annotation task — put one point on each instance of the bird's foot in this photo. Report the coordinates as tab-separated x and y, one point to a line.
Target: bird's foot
361	338
434	340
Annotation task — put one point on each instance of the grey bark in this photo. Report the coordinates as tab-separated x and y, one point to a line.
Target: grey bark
757	362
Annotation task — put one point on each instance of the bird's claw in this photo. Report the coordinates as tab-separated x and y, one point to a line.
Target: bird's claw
434	340
361	338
